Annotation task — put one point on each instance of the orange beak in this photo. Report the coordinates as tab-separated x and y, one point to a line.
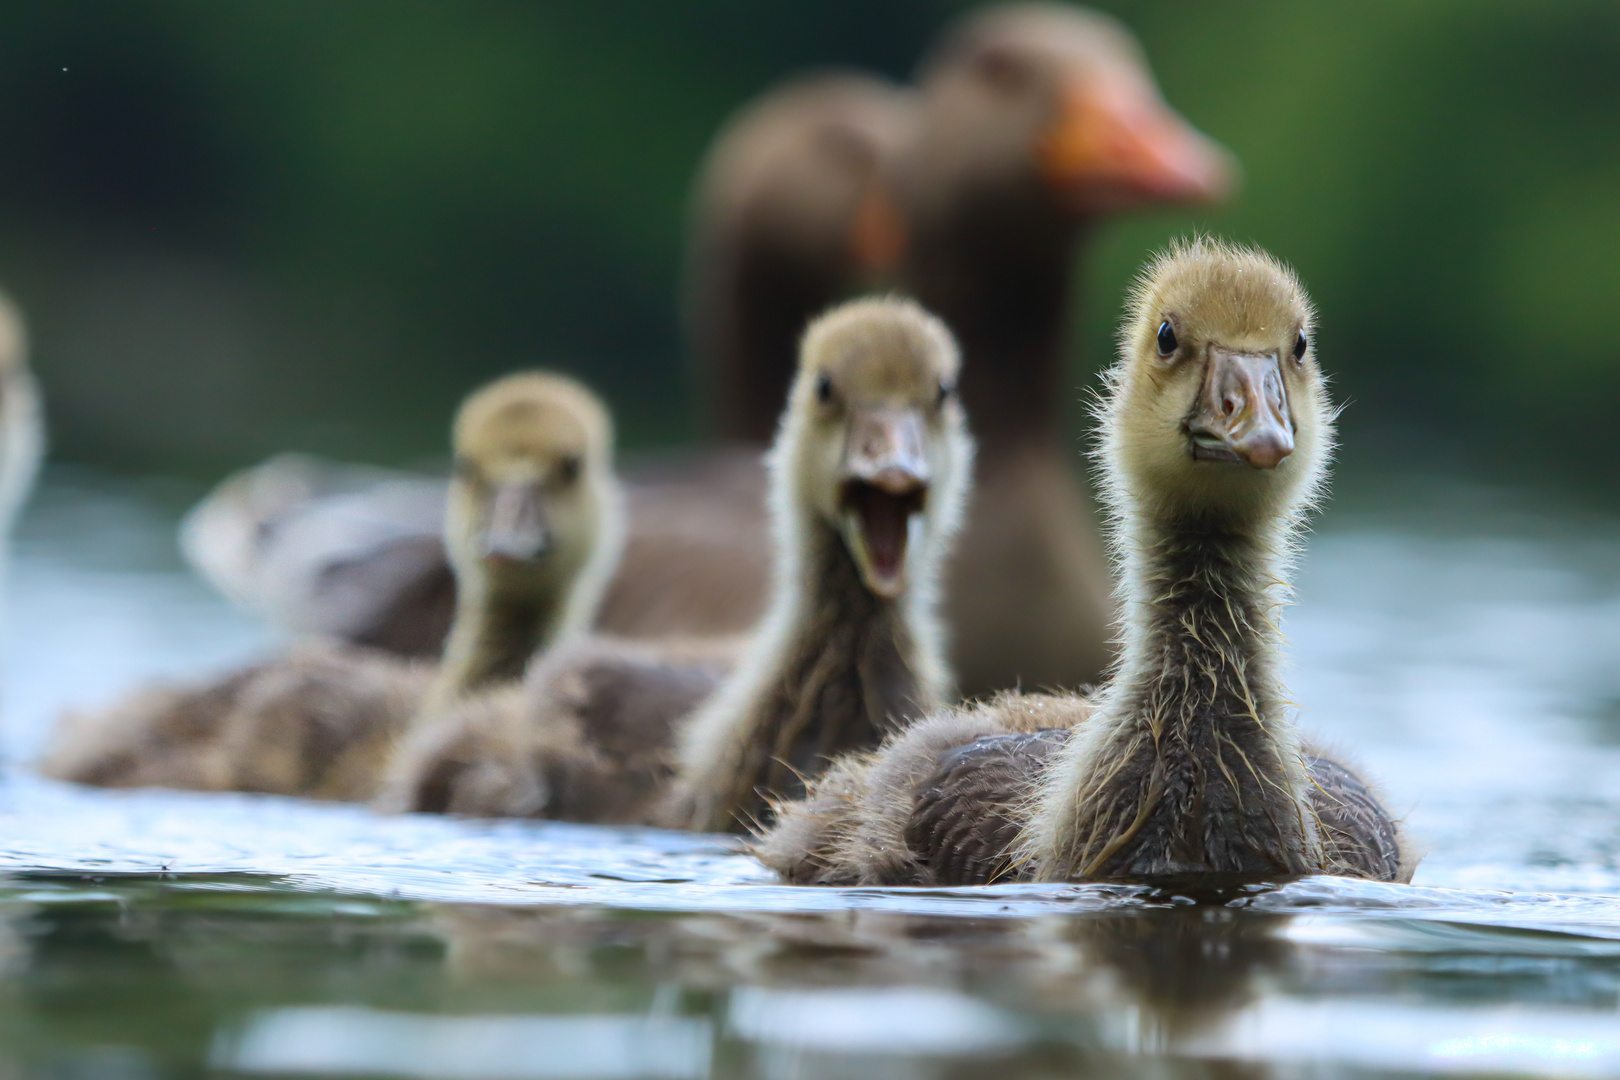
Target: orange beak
1115	144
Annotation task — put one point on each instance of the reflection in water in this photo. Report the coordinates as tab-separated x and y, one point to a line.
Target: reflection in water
246	975
1468	660
346	1039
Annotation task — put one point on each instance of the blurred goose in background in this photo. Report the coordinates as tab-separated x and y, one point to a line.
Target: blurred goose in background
867	476
1037	121
534	528
1187	771
790	216
354	552
22	418
1032	121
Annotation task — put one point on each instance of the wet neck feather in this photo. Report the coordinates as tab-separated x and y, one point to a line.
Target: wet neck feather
849	668
1192	769
496	631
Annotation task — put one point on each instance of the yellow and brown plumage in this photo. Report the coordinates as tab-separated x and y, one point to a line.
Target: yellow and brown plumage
533	525
867	480
868	475
355	553
1186	770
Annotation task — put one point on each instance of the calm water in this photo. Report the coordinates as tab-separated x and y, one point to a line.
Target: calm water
1463	645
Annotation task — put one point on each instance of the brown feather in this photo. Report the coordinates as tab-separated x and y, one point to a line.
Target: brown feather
1186	771
587	736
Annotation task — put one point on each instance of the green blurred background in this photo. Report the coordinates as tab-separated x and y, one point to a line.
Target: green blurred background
265	224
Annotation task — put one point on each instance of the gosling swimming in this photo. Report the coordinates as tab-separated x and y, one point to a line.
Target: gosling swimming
867	478
1187	771
534	527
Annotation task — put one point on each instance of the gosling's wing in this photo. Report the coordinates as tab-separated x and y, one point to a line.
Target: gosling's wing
624	700
156	736
585	737
965	819
1358	834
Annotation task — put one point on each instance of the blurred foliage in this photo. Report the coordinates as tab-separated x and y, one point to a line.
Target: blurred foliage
286	223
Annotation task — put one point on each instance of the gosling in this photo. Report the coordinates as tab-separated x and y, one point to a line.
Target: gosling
1186	771
534	527
868	476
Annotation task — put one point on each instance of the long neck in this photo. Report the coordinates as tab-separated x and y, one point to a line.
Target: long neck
497	629
1001	275
749	303
848	668
1191	771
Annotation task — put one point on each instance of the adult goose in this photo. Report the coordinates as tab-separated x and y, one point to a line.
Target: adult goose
776	238
1038	121
1032	122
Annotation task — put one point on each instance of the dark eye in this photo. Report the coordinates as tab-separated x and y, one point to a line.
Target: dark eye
568	470
1167	339
1300	345
1004	68
823	389
946	389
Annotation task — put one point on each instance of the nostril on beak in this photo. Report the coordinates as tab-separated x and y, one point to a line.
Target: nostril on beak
1229	405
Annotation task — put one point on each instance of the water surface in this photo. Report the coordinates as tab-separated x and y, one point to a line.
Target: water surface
1461	645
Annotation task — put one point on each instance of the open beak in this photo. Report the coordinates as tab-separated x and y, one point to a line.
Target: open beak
1115	144
517	528
882	494
1242	411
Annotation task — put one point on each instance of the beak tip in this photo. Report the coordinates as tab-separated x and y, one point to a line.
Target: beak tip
1207	173
1266	453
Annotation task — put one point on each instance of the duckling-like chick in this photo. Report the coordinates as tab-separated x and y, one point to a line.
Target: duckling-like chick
534	527
22	417
868	475
1187	770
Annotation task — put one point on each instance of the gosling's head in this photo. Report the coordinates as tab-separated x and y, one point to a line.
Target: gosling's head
1217	408
874	442
1058	103
533	495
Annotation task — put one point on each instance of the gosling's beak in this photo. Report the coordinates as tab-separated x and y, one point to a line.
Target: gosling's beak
1115	144
517	528
1242	411
883	489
